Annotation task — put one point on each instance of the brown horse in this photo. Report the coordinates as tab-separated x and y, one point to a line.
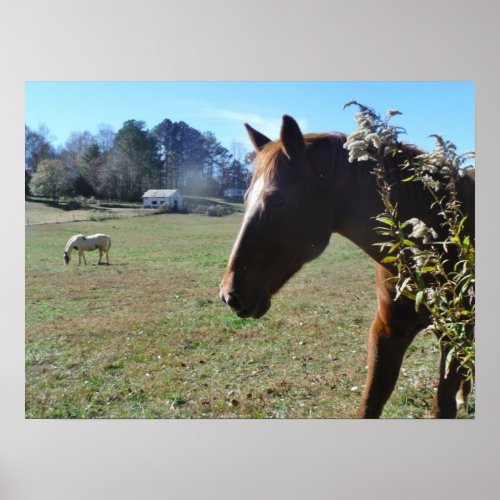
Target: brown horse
303	189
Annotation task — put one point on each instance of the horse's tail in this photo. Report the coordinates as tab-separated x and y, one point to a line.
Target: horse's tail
109	243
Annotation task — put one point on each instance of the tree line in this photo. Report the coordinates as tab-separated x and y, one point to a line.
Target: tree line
123	165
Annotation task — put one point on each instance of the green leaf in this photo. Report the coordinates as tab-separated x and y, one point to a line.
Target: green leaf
418	299
389	258
405	282
408	294
403	291
386	220
391	279
449	359
409	243
427	269
394	247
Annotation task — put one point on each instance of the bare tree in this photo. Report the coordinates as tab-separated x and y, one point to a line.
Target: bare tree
75	147
37	147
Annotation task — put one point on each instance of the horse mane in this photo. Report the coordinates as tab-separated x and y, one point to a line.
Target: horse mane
410	196
70	242
266	161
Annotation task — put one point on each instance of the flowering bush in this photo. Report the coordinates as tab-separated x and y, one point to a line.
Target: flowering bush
421	258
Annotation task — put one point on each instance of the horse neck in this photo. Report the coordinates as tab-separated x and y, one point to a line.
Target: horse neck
357	202
70	246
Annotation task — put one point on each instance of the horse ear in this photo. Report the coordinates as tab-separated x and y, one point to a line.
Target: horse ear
292	140
258	140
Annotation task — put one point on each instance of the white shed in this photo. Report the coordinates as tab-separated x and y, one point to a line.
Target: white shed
155	198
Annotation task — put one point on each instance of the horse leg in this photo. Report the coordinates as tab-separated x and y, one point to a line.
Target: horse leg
100	256
452	387
463	393
386	348
84	259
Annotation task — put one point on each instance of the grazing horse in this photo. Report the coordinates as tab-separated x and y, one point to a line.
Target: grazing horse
83	243
303	189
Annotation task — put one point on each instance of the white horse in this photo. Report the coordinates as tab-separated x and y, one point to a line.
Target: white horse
83	243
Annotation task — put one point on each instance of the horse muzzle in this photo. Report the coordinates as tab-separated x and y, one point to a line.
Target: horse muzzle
245	308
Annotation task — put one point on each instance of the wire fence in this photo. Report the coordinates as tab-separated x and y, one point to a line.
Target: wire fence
80	216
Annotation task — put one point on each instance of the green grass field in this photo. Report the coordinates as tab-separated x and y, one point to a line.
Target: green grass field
147	336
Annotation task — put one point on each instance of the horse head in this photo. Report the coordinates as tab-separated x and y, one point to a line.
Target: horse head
287	220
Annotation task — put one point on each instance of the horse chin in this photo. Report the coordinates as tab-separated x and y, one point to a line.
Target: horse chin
260	307
256	311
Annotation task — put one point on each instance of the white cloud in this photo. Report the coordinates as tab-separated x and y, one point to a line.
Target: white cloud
267	126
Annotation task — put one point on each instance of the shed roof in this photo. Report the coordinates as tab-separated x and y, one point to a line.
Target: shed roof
159	193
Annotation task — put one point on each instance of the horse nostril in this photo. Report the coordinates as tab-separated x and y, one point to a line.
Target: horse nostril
233	301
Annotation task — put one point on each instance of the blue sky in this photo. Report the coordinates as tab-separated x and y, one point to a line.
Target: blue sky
446	108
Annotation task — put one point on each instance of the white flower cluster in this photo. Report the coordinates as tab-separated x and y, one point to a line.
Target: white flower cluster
371	135
362	139
430	295
418	256
443	159
430	182
432	162
422	231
